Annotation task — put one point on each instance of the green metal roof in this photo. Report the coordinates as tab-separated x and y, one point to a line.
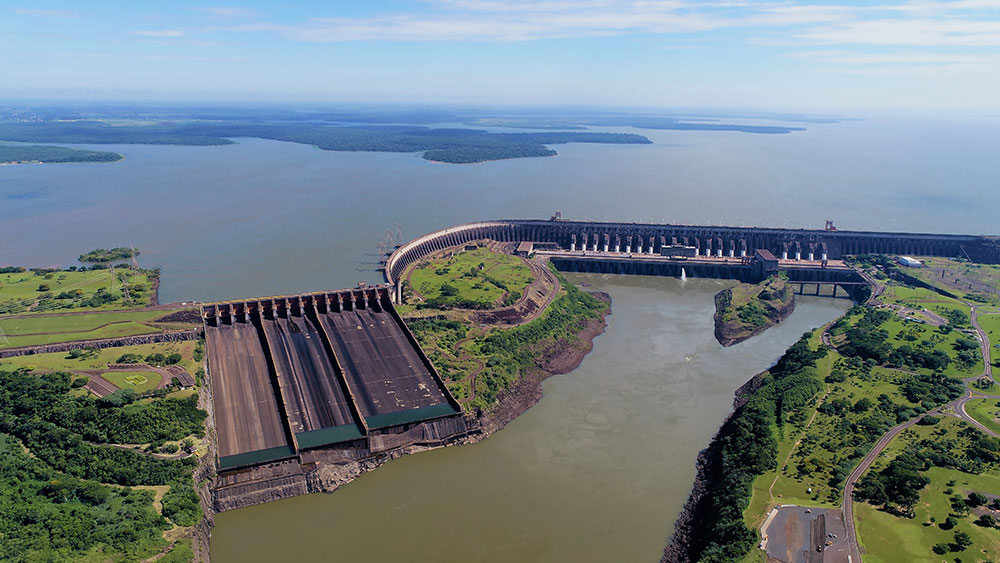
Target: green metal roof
412	415
328	435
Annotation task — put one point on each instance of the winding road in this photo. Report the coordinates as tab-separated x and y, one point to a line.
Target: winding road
958	405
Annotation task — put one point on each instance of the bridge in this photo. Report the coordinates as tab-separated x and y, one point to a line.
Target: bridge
808	255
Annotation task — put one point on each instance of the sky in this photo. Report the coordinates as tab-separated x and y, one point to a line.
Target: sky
925	55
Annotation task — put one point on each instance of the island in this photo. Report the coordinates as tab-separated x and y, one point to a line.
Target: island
451	145
746	310
42	154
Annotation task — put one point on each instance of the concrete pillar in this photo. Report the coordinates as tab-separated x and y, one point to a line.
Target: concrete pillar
572	246
605	247
595	246
718	252
784	255
823	256
617	247
743	253
798	255
810	256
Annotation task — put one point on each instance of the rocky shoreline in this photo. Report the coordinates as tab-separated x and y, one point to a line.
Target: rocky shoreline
563	357
678	550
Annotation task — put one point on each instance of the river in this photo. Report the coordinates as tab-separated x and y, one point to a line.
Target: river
598	470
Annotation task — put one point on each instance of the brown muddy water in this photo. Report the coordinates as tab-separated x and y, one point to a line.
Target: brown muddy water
598	470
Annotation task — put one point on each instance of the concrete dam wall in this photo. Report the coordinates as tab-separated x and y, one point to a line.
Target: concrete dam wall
708	241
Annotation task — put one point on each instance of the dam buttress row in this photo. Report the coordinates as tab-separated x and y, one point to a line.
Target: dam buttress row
316	370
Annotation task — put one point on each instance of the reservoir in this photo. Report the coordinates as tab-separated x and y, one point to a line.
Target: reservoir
598	470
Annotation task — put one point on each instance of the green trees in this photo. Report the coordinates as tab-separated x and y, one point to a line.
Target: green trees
38	153
63	430
744	448
54	517
106	256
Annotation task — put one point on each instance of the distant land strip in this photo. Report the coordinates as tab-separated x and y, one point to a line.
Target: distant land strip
452	145
31	154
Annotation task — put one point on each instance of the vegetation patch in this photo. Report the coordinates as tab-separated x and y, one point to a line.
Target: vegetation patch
54	291
438	144
137	381
59	504
471	279
51	516
495	359
968	280
932	496
31	154
986	411
99	359
746	310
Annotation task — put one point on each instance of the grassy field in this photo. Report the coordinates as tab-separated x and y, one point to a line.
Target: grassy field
60	361
20	292
980	282
49	329
890	539
915	334
137	381
919	298
477	278
991	324
986	411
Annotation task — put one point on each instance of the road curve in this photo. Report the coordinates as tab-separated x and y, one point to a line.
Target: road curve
959	407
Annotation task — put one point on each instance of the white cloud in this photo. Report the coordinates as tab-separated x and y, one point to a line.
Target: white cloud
855	58
227	12
959	22
168	33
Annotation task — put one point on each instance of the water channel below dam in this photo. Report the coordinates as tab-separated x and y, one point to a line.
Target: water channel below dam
598	470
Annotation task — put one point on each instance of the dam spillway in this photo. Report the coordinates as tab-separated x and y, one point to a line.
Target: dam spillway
324	370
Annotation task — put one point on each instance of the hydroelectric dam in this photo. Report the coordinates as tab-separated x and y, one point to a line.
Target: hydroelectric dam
306	389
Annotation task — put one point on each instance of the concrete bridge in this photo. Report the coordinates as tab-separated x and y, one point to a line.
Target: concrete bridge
603	241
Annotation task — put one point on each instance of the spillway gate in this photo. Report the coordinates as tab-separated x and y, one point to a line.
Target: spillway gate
317	370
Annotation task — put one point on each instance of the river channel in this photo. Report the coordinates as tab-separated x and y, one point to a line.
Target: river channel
598	470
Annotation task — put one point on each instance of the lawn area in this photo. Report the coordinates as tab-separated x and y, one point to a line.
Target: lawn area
42	292
991	324
925	336
786	490
48	329
986	411
137	381
60	361
126	328
978	282
472	279
890	539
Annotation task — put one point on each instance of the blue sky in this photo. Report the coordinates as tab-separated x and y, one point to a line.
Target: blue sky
830	56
